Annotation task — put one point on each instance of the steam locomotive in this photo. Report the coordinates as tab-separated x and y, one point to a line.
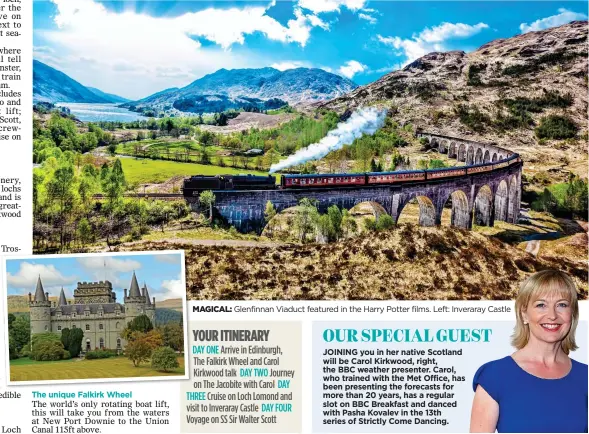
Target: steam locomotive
194	185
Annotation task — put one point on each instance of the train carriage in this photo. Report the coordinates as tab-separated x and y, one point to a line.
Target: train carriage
479	168
501	164
324	180
445	173
375	178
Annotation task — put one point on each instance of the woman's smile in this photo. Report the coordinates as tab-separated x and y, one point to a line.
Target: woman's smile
551	327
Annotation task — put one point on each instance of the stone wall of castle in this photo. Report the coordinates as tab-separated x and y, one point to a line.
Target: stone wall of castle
108	328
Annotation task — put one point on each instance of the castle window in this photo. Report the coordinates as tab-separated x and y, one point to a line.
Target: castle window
118	343
46	328
118	325
100	326
73	326
73	314
87	344
58	328
87	327
101	343
100	313
87	313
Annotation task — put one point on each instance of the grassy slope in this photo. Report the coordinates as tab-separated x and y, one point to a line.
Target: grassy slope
20	303
171	303
156	171
408	262
116	367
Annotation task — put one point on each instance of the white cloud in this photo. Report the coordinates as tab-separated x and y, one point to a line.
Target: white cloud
109	268
25	279
318	22
222	26
431	39
170	289
564	16
131	49
351	68
367	17
283	66
319	6
109	263
447	31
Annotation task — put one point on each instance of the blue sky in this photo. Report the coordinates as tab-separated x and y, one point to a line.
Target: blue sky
161	273
134	49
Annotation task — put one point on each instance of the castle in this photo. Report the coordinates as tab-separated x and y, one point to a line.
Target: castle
94	310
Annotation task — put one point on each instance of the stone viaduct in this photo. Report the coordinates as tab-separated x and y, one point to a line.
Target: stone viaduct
485	196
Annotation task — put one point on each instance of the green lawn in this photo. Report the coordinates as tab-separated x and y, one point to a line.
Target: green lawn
175	150
116	367
160	146
144	171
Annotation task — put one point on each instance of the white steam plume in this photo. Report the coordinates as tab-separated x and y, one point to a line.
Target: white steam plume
362	121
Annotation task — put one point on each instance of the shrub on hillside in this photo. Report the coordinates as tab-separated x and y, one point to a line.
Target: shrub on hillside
472	117
369	224
556	127
164	359
474	78
546	202
384	222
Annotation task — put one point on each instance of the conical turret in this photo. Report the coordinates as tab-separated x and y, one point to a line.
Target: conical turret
135	301
146	294
40	310
134	289
39	292
62	301
149	307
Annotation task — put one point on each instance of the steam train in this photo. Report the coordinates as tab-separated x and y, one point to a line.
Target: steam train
194	185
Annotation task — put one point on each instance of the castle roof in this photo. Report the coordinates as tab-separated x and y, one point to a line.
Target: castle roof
134	290
62	301
94	308
146	294
39	292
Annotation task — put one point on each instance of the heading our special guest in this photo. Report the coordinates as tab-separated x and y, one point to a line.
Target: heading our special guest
407	335
538	388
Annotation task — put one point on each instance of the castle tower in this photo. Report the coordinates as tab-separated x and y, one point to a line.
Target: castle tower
40	310
134	301
149	306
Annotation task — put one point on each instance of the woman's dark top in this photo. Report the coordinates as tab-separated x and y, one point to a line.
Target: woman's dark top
532	404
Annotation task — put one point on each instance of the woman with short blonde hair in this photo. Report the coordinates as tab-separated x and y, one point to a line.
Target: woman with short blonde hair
511	392
545	282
